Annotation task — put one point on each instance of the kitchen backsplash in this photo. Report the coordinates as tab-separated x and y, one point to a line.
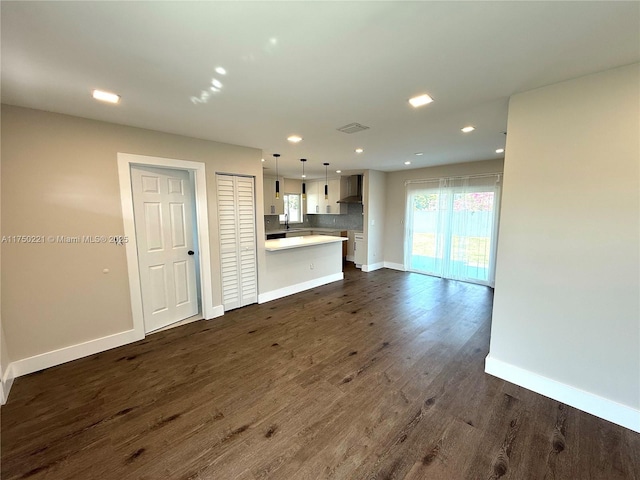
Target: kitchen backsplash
271	223
351	221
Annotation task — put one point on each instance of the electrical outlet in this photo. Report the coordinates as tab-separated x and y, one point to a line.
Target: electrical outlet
311	266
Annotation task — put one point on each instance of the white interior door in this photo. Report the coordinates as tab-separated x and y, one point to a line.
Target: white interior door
163	205
237	221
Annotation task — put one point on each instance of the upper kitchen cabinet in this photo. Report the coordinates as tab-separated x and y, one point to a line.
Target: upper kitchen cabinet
273	205
347	189
313	197
316	203
335	193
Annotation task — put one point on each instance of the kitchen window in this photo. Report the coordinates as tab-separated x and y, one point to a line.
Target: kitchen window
292	208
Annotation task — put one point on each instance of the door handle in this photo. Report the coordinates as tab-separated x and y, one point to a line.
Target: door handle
190	252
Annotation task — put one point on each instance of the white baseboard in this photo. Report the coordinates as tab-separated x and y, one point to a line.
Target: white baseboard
394	266
588	402
5	384
74	352
216	311
372	267
299	287
351	258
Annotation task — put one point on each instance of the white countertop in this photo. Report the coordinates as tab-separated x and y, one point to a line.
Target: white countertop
308	229
297	242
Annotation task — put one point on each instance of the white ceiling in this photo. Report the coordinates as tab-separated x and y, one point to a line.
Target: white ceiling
309	68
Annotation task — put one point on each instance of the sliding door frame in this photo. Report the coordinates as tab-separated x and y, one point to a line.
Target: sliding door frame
446	248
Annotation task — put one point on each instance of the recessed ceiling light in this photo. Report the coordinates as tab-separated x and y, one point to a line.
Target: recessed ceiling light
468	129
359	150
304	176
407	162
338	171
216	83
420	100
294	138
500	150
105	96
419	153
262	159
221	71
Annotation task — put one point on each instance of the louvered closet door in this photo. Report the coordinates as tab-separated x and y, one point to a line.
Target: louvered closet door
237	221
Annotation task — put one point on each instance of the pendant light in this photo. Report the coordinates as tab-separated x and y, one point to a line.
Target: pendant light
276	155
326	181
304	186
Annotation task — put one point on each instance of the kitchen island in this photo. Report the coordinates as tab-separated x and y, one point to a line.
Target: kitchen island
296	264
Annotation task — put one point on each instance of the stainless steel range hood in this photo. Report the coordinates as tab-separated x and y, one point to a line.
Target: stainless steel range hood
355	190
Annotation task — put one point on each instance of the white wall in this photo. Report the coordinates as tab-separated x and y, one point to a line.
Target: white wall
5	359
60	177
294	270
374	198
566	318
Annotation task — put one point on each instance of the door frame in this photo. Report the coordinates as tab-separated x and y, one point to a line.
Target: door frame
409	230
197	170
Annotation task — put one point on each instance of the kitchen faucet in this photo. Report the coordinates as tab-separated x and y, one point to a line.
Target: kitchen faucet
286	220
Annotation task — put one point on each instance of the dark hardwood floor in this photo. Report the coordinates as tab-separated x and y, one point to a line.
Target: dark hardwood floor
379	376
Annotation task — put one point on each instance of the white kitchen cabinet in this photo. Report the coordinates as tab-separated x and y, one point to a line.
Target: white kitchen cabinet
313	196
323	201
273	205
316	203
359	253
350	244
335	194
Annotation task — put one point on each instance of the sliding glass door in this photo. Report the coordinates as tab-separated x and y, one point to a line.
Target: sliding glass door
451	228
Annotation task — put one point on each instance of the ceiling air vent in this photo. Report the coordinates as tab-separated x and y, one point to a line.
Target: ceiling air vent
352	128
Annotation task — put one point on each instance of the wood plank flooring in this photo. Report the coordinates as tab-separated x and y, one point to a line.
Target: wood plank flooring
379	376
